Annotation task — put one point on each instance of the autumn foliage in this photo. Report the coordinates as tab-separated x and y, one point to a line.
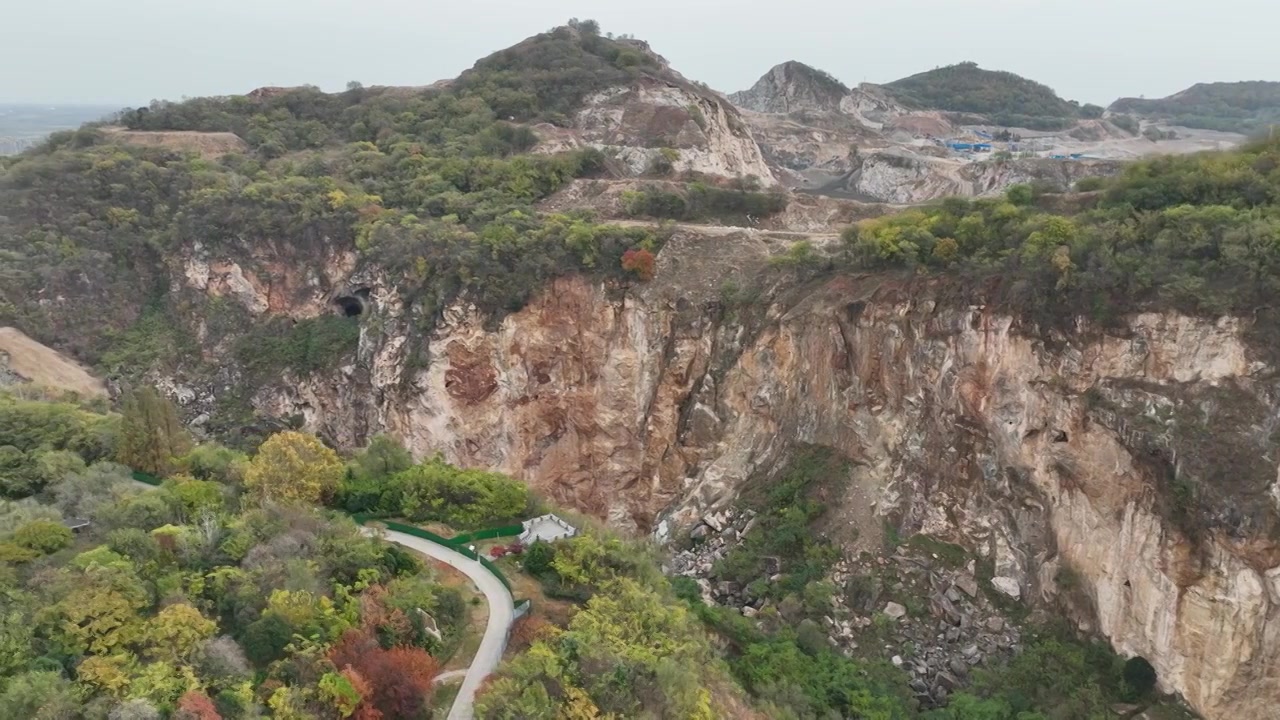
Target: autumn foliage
527	629
396	683
195	705
641	262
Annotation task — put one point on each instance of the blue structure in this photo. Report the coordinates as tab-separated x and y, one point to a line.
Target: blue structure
983	135
960	146
982	147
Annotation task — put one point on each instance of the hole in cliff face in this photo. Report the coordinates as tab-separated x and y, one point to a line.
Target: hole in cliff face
1060	436
350	305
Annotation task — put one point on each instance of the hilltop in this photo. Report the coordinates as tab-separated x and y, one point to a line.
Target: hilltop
1232	107
1003	98
792	87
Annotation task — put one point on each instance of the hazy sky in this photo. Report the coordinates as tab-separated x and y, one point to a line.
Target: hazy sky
129	51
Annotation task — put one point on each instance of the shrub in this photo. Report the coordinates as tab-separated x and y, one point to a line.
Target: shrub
641	263
43	536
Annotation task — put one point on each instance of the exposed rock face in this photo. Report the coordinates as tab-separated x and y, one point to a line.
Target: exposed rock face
898	177
792	87
637	122
651	406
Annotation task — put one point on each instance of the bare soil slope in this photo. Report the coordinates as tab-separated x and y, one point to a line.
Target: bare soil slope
41	365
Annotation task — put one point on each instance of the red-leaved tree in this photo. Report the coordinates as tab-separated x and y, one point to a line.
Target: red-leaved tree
398	681
195	705
641	262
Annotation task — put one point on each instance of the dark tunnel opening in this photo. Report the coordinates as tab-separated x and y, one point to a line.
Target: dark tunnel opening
351	306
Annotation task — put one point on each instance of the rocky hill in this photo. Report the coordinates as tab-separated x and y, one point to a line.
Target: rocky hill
1002	98
575	266
792	87
1232	107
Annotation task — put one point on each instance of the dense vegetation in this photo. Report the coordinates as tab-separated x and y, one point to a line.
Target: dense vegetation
432	491
704	202
1002	97
436	186
1196	232
197	600
631	650
1242	107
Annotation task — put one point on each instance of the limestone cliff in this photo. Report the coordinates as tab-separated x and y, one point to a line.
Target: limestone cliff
792	87
1139	457
640	121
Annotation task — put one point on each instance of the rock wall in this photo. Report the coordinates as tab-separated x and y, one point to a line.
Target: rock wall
637	122
652	405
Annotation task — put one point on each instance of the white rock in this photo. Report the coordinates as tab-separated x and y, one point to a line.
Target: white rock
1008	586
895	611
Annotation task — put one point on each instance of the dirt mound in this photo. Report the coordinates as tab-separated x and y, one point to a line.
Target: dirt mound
204	144
23	360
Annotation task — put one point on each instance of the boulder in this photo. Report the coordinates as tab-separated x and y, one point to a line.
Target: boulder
699	533
895	611
748	611
968	585
1008	586
714	520
995	624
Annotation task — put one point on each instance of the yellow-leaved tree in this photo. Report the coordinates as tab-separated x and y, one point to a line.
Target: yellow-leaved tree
293	466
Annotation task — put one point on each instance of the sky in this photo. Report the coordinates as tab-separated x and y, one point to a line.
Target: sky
128	52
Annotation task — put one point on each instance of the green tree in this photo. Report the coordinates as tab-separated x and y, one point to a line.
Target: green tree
176	632
39	695
151	437
293	466
44	536
384	457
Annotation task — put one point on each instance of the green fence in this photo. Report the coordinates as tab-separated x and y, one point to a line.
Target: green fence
495	570
428	535
145	478
507	531
415	531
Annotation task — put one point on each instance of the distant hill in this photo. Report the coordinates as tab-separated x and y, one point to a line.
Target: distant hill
1002	97
792	87
1234	107
24	126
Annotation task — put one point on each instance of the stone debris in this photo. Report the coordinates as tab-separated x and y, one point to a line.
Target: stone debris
954	629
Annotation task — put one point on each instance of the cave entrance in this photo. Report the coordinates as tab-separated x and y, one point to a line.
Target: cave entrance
350	305
354	304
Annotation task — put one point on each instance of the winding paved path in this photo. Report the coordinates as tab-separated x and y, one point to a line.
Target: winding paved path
501	615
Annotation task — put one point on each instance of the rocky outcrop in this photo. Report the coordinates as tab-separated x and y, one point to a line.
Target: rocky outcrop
1138	458
651	118
792	87
899	177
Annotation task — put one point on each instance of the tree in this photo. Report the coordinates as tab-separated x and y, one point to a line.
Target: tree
400	679
176	632
43	536
136	709
640	262
265	639
537	558
384	457
293	466
39	696
151	437
195	705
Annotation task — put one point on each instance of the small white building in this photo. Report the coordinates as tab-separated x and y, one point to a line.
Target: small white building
546	528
